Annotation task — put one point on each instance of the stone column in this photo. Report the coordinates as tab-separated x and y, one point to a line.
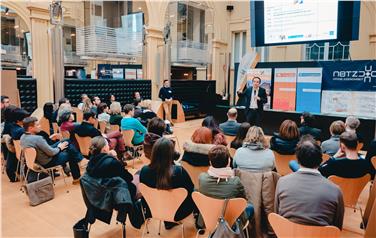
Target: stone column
153	69
219	59
42	52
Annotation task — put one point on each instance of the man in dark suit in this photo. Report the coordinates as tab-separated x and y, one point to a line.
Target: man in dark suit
231	126
255	98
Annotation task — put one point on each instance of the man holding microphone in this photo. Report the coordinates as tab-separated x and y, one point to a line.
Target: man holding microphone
165	93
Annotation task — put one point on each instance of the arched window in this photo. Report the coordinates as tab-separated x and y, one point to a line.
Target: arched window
327	51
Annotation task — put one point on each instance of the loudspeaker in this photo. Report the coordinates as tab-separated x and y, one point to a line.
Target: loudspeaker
229	8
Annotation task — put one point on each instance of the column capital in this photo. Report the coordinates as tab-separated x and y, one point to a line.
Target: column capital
154	32
39	13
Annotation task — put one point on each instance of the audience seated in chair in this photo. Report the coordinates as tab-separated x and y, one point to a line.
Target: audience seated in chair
156	129
86	128
66	121
352	123
103	164
147	114
231	126
103	115
371	152
95	103
306	197
130	123
255	155
307	121
48	113
240	136
220	181
63	107
115	117
17	129
162	174
84	97
218	138
196	151
286	140
50	155
331	146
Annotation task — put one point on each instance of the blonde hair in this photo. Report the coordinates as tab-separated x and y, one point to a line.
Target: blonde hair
146	104
255	134
86	107
115	108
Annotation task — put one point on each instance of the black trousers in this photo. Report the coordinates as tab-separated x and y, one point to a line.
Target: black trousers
254	117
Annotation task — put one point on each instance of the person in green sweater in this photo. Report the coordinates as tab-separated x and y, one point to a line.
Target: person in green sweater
220	181
130	123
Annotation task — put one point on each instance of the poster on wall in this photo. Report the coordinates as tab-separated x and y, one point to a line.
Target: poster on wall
130	74
266	81
284	89
357	103
139	74
118	73
308	90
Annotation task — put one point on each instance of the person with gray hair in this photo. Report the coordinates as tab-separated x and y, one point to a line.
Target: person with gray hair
115	118
352	123
66	119
231	126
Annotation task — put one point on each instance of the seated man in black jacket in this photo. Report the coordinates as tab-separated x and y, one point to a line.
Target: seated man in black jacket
346	162
307	120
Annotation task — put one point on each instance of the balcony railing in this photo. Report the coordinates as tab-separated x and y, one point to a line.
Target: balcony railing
11	54
187	51
100	41
71	58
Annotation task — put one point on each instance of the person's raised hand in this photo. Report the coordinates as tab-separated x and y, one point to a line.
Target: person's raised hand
63	145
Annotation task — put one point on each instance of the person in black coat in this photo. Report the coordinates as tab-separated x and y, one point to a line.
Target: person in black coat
307	120
255	98
103	164
284	142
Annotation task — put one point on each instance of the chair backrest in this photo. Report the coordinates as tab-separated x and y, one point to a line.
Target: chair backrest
373	161
282	163
56	127
359	146
325	157
194	172
371	219
30	155
351	188
115	128
128	136
17	148
232	152
229	138
284	228
102	126
211	209
84	144
44	125
79	114
65	134
163	204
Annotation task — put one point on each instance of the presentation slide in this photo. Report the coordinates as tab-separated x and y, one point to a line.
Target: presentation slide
288	21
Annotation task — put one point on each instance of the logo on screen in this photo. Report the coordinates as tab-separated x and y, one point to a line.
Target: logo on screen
365	75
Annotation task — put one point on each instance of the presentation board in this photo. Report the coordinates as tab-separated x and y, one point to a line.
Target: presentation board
346	103
265	74
308	90
284	89
130	74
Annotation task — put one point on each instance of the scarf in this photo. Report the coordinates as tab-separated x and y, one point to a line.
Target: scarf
221	173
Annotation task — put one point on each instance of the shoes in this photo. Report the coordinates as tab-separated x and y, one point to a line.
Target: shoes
170	225
76	181
67	171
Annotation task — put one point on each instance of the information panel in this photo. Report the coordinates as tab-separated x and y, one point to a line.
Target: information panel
308	90
284	89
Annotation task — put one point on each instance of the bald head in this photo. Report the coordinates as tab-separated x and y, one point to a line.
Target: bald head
232	113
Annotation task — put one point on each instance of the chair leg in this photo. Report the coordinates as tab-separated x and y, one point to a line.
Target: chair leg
182	230
159	230
361	216
65	182
123	230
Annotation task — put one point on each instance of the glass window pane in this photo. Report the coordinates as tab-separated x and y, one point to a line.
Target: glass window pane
244	43
236	48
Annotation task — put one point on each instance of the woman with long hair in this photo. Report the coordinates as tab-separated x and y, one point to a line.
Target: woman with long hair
162	174
255	155
240	136
285	141
218	138
196	150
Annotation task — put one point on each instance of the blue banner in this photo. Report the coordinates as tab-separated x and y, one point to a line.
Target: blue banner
357	75
308	90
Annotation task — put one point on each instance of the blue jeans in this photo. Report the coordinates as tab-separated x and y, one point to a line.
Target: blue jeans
70	155
294	166
249	210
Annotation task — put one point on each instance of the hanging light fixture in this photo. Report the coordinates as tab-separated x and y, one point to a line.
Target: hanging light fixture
56	13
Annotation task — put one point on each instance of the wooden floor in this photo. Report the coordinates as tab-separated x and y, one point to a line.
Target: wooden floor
56	217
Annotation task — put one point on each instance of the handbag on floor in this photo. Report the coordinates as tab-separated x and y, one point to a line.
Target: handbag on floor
223	230
40	191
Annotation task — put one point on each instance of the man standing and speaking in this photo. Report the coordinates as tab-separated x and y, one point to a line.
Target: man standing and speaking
255	98
165	93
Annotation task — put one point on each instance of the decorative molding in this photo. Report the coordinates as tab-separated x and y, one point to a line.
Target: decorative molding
372	38
39	13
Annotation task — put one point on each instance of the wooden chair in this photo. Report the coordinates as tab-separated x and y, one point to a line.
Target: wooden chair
211	209
282	163
45	125
174	138
325	157
78	114
194	172
136	150
232	152
102	126
84	144
18	151
163	204
371	218
115	128
229	139
55	127
30	155
359	146
65	134
284	228
351	189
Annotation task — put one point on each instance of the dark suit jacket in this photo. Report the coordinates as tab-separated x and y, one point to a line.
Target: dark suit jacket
315	132
86	129
260	103
229	127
